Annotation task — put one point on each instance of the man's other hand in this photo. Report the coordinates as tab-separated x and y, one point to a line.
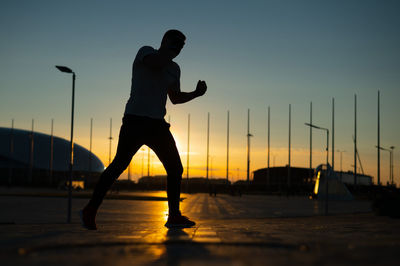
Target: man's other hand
201	87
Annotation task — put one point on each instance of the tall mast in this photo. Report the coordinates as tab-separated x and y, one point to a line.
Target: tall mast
311	168
355	139
269	150
333	134
290	129
379	143
208	144
248	146
227	149
110	138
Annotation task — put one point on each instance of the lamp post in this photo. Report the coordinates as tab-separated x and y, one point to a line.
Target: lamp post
379	143
208	144
327	162
71	150
227	148
390	161
148	161
248	147
341	156
110	143
327	139
187	157
10	173
268	152
143	151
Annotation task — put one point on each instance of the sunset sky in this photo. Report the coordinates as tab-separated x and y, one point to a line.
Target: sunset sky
252	54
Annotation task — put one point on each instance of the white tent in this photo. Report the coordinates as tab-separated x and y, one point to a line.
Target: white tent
328	183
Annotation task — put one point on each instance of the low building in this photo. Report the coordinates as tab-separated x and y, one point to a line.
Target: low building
301	179
37	159
361	179
282	178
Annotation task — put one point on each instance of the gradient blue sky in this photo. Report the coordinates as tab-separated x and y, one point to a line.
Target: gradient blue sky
252	54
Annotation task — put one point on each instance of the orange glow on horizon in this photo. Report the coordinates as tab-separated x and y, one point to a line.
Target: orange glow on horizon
217	159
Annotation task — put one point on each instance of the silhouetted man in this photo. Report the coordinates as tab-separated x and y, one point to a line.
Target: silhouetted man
154	75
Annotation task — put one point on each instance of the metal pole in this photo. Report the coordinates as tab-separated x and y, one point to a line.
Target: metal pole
392	164
341	169
311	169
333	134
31	155
211	165
326	175
393	167
379	143
143	150
90	153
290	129
90	145
208	144
327	147
10	173
268	160
51	152
390	168
152	171
188	150
110	138
341	163
248	146
355	139
327	164
227	149
148	162
71	158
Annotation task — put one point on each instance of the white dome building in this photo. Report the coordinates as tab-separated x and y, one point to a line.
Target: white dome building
27	161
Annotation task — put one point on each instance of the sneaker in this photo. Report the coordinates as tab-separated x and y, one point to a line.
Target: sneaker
179	221
88	218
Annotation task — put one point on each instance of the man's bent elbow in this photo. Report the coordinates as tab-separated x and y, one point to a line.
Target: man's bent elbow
174	101
174	98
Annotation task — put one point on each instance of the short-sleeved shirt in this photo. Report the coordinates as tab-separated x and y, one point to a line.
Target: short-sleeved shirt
150	86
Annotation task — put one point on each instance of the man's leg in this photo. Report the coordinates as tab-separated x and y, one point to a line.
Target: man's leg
128	144
163	144
165	148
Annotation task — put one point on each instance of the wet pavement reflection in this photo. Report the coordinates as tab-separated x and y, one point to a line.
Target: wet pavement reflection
230	230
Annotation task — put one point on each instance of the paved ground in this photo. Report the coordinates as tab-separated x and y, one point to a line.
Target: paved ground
247	230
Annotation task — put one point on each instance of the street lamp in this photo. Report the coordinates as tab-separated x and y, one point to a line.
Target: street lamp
71	151
248	147
390	161
341	169
327	163
327	140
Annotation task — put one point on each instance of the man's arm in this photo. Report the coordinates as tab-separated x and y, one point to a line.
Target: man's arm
177	96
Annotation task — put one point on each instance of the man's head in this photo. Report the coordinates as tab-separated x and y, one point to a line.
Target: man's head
173	41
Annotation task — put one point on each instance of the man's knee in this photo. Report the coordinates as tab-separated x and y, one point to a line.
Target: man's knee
176	171
180	170
120	164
